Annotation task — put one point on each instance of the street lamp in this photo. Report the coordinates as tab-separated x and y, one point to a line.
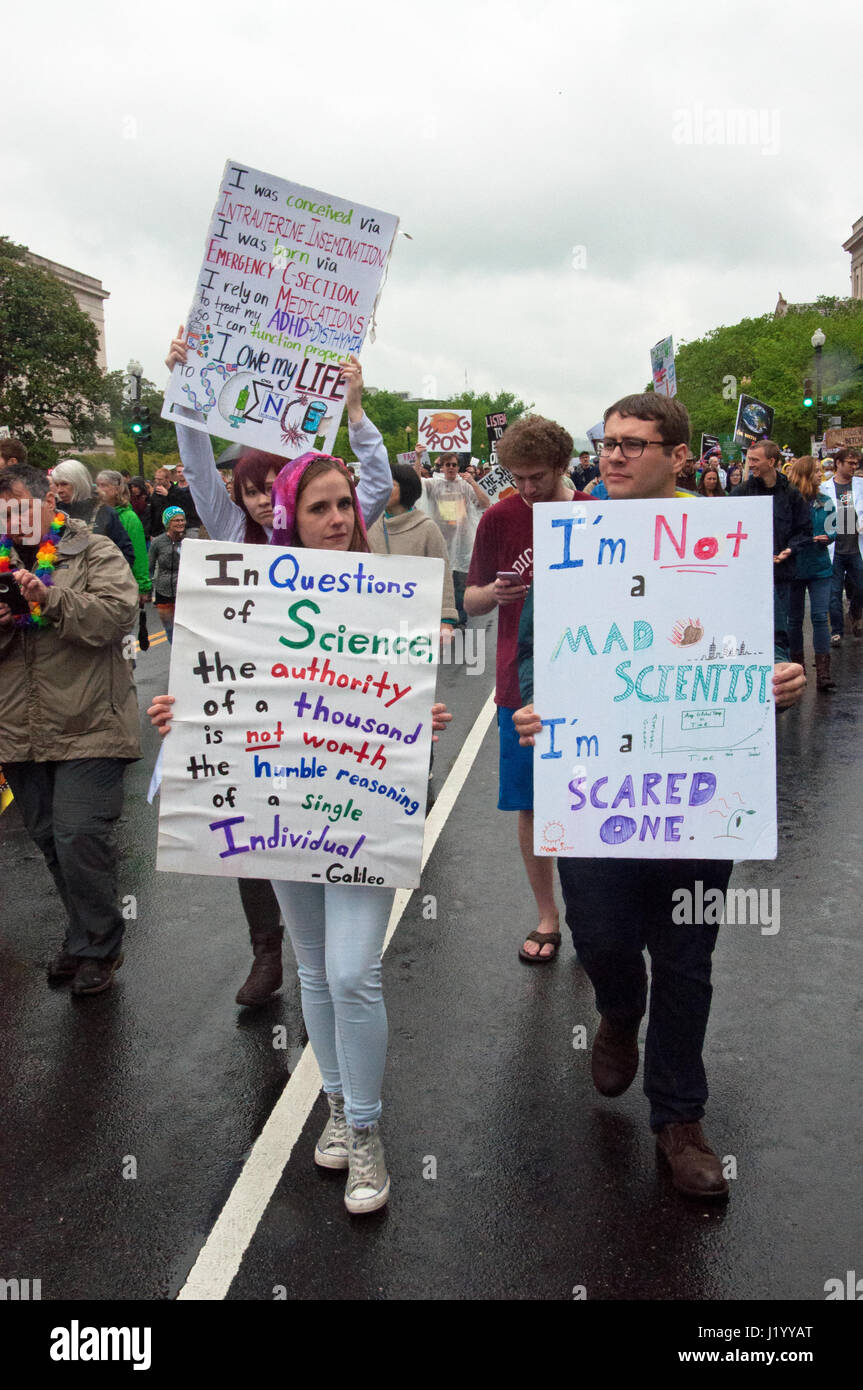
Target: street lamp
818	340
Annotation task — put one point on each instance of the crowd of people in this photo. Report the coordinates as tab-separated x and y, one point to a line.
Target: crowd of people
81	557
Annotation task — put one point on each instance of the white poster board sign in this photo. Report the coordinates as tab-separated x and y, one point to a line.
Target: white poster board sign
304	681
287	288
444	430
663	368
653	648
497	483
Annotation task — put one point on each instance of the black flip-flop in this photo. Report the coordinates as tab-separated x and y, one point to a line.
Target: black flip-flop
542	938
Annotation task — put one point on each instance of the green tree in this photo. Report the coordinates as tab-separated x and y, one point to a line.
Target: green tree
48	358
770	358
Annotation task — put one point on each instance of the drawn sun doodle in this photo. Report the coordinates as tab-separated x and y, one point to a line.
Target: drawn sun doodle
553	834
687	634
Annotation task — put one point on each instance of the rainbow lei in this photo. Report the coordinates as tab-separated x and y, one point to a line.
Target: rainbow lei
46	563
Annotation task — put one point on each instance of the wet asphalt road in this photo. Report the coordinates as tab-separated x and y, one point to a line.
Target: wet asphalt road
541	1185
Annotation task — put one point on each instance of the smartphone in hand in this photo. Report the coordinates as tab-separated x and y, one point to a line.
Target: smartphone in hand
12	596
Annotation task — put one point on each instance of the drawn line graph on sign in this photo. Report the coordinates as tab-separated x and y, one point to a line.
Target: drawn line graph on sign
742	745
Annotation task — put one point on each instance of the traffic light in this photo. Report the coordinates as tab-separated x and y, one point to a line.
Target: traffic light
146	433
136	426
807	391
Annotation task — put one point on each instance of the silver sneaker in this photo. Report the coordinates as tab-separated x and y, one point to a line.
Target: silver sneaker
368	1181
331	1150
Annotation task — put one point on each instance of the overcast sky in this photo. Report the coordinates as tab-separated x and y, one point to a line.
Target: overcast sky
550	161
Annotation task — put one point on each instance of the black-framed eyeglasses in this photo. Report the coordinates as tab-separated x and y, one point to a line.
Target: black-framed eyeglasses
630	448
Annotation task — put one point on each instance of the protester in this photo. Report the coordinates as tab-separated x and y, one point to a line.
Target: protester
688	475
114	491
584	472
139	499
245	513
615	908
711	483
735	476
12	451
68	714
76	494
171	490
813	570
403	530
792	523
337	931
455	504
536	452
164	566
845	490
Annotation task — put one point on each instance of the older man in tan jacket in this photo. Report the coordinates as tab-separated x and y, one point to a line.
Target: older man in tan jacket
68	710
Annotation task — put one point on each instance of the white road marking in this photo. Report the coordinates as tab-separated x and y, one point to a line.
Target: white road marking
222	1253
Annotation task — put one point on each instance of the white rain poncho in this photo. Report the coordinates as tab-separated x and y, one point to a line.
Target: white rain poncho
453	507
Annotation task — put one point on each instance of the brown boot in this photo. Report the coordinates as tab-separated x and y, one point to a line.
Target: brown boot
265	976
798	657
614	1059
822	673
695	1168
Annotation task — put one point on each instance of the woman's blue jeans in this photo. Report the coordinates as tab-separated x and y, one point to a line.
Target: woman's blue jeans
337	934
819	599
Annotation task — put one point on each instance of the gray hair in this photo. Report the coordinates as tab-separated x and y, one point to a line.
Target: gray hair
73	471
36	480
114	479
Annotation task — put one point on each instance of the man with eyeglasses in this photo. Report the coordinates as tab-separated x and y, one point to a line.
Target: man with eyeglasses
617	908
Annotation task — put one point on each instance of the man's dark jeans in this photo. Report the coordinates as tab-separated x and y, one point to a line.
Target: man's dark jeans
847	570
70	809
616	908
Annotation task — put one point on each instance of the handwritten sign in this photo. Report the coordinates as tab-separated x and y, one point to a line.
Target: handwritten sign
444	431
304	681
653	640
288	284
663	368
409	458
497	483
494	428
850	437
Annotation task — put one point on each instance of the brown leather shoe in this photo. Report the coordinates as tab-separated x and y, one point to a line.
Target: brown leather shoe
265	976
94	975
695	1168
614	1059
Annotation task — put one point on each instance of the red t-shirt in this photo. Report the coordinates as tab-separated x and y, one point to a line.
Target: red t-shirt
504	541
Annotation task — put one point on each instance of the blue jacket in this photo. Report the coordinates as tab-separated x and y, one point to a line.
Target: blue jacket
813	560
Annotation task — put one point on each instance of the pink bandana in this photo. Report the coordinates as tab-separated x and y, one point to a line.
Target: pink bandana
285	490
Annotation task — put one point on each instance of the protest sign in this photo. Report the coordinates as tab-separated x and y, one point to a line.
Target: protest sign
409	458
288	285
754	421
849	437
662	367
653	651
494	428
595	435
304	681
498	483
709	441
444	431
